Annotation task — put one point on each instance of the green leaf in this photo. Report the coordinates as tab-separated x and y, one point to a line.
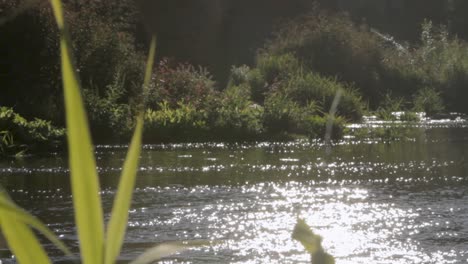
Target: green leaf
119	216
149	63
167	249
85	184
118	222
20	238
26	218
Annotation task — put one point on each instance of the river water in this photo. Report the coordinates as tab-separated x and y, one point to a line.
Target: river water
372	201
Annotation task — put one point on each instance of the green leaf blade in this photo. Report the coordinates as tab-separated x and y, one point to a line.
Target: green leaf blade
26	218
21	240
118	223
119	216
85	184
84	179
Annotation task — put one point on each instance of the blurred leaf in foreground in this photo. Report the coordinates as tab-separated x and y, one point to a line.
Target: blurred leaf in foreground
312	243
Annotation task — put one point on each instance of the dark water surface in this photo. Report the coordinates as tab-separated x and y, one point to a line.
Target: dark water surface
373	202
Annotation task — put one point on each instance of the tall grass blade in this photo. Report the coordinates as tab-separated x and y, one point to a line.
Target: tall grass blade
149	63
119	216
331	118
164	250
25	218
84	180
20	238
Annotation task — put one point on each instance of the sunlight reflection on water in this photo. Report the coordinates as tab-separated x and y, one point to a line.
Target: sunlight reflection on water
373	202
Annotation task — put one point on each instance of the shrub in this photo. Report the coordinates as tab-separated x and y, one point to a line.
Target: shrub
237	116
183	123
429	101
180	83
19	135
304	88
104	43
102	52
281	114
331	45
109	114
270	70
239	75
389	105
315	126
438	68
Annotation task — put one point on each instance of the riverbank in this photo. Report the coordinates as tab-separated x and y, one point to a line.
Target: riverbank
20	137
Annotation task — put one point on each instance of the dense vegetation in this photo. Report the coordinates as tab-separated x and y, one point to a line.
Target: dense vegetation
21	135
287	88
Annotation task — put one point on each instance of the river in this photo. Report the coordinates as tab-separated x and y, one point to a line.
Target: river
372	201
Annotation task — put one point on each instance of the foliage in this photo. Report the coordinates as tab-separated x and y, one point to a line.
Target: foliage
316	126
309	87
282	114
175	83
109	116
292	95
377	66
104	47
237	116
332	46
96	245
183	122
19	135
409	117
389	105
272	69
104	43
429	101
438	68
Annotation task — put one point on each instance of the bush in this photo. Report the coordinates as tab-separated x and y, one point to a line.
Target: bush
103	50
438	68
183	123
331	45
429	101
282	114
271	70
237	116
178	83
109	115
182	103
19	135
104	42
311	87
315	126
290	93
389	105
